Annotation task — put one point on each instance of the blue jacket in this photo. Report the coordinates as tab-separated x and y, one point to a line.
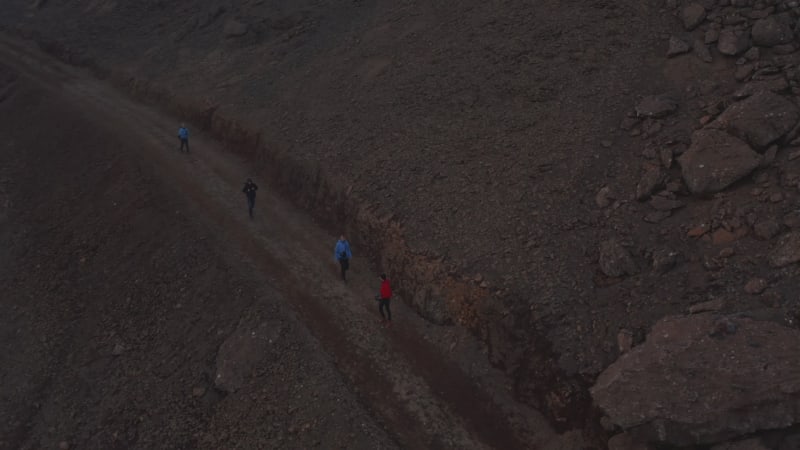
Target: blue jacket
342	250
183	133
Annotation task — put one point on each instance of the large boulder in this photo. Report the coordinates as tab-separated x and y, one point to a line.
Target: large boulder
771	31
703	379
715	160
760	119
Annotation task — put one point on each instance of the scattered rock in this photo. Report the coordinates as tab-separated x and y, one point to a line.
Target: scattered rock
766	229
732	42
702	51
605	143
663	203
624	340
755	286
716	160
770	31
732	390
752	54
615	261
786	251
711	35
234	28
711	305
692	16
198	391
775	85
656	216
727	252
777	197
628	123
761	119
697	231
118	350
792	219
664	260
769	156
678	46
665	154
743	72
656	106
652	179
603	198
722	236
63	445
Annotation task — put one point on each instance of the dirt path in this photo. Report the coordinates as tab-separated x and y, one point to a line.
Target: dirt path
428	395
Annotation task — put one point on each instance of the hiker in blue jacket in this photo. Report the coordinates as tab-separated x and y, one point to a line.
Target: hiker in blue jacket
343	254
183	135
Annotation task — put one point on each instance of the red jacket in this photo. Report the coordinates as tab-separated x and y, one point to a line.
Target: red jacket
386	290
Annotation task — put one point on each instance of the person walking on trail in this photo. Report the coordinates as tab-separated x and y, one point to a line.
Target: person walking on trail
183	135
249	190
385	298
343	254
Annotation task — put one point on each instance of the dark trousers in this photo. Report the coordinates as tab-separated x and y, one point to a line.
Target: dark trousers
345	263
384	303
184	144
251	203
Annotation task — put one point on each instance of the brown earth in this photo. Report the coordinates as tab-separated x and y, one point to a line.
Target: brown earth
463	146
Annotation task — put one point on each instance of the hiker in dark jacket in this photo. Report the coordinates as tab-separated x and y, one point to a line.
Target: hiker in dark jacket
343	254
183	135
249	190
384	300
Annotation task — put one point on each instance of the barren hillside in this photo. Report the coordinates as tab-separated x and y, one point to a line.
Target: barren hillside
556	177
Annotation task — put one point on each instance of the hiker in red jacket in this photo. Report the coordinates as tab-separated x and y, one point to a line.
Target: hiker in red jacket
383	302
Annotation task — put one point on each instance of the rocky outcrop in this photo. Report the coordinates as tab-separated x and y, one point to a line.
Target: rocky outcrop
761	119
702	379
716	160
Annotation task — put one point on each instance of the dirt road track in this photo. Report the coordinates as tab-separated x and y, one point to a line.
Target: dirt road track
431	385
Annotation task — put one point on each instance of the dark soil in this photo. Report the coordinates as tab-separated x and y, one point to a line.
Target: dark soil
460	144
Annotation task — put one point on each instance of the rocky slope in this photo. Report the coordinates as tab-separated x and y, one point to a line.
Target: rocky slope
557	177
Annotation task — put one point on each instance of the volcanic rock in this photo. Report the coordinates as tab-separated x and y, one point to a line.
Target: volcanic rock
656	106
678	46
692	16
652	179
761	119
755	286
786	251
716	160
731	42
698	380
615	261
770	31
